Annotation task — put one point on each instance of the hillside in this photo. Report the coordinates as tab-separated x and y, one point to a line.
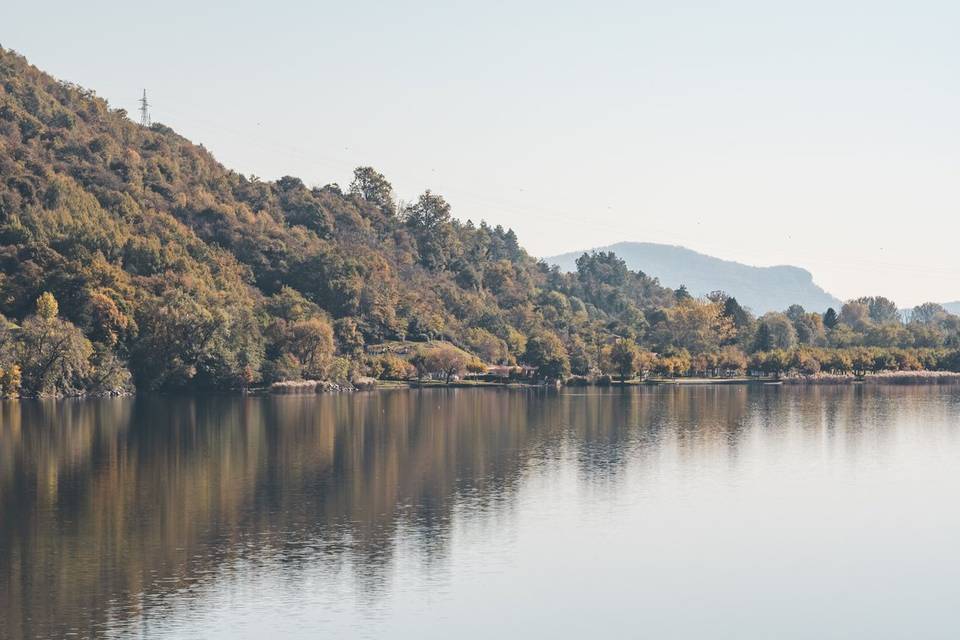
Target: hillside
952	307
131	259
761	289
185	274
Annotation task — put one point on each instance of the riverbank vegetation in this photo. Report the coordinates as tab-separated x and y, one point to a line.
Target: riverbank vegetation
131	259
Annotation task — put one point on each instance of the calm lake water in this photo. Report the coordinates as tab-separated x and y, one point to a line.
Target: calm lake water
689	512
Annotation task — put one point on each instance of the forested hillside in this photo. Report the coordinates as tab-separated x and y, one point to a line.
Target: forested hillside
192	275
129	257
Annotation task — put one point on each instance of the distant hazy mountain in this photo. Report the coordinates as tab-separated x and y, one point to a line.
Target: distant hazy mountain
761	289
952	307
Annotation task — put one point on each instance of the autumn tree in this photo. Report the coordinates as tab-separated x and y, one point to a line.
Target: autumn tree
52	353
487	346
732	360
446	360
311	343
695	325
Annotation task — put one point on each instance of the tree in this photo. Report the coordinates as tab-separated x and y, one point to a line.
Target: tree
856	315
732	360
928	313
861	361
446	360
108	373
579	353
196	338
805	362
623	356
830	318
373	187
47	307
881	310
311	343
349	338
428	218
393	367
737	314
546	352
53	354
774	331
695	325
290	305
838	362
843	335
776	362
10	380
420	364
673	363
487	346
808	326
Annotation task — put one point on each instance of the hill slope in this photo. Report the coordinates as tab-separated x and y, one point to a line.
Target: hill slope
761	289
193	275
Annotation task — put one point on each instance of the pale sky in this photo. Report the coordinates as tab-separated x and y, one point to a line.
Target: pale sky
820	134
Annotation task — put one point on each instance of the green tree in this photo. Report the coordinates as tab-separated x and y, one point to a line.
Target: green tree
775	331
420	364
830	318
373	187
428	218
546	352
579	353
737	314
861	362
776	362
348	337
929	313
881	310
193	338
623	357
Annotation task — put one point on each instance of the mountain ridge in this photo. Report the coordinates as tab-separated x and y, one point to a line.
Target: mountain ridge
762	289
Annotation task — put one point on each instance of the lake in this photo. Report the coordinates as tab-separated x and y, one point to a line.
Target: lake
660	512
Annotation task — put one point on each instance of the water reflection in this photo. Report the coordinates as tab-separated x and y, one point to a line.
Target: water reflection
112	510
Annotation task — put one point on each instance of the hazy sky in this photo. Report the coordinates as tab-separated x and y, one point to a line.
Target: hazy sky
821	134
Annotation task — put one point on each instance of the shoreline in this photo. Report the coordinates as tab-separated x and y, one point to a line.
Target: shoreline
320	387
886	377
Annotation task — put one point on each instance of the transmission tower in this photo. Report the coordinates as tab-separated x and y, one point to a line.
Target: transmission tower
144	113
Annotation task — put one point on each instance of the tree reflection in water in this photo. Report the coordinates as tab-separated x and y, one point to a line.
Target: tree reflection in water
108	506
